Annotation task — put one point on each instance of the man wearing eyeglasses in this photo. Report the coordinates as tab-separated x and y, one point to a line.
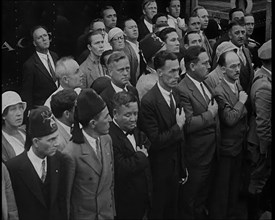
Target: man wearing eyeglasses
39	79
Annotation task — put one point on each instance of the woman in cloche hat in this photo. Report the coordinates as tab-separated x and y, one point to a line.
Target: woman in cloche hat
13	133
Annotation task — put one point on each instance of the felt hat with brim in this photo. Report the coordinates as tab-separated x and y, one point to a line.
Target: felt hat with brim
10	98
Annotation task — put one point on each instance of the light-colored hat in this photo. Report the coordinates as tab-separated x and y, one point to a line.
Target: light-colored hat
225	47
264	51
11	98
113	32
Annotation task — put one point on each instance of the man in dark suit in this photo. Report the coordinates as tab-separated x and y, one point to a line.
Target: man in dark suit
132	168
202	132
145	26
119	69
233	125
163	124
39	80
39	175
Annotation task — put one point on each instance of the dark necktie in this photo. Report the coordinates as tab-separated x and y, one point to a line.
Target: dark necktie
172	105
98	149
142	63
51	68
204	94
44	172
131	132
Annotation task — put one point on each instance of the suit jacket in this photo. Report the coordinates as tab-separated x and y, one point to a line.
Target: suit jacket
7	150
166	151
233	119
37	84
133	185
92	70
142	29
261	98
108	93
202	130
91	182
26	184
63	138
134	65
9	208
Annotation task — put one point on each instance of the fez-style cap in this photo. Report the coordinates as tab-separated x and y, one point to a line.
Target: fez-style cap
150	45
11	98
41	122
113	32
89	104
225	47
264	51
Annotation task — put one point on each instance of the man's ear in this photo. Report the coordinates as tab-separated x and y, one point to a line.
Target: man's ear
223	69
192	66
34	44
229	35
167	9
143	11
92	123
159	72
89	47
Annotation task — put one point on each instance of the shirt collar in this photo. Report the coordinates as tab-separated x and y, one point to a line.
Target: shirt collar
148	25
66	127
89	138
117	89
163	91
267	70
232	86
196	82
34	158
42	55
172	18
118	126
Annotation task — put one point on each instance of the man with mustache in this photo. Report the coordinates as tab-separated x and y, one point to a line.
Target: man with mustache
132	169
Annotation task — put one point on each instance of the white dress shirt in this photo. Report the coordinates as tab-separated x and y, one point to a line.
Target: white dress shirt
118	89
198	85
36	162
149	26
130	137
91	141
166	95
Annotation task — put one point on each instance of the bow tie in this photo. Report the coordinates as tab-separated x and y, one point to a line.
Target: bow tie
129	132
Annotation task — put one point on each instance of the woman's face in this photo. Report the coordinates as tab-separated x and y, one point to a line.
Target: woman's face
14	115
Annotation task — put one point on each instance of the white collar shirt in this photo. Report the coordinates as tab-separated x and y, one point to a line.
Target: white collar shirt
91	141
166	95
148	25
130	137
118	89
198	85
36	162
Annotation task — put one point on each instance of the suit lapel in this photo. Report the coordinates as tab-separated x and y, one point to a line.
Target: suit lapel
90	157
31	178
42	68
54	176
164	109
230	95
195	92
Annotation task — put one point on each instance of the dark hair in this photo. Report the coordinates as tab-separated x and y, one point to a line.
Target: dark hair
236	23
192	55
163	34
186	38
156	16
105	53
116	56
106	7
124	21
33	29
191	16
234	10
123	98
94	21
161	57
62	101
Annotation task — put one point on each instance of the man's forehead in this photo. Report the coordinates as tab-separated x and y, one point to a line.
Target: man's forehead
172	35
238	28
109	11
98	24
202	12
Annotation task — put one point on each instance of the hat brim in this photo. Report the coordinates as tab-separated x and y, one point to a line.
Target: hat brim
23	103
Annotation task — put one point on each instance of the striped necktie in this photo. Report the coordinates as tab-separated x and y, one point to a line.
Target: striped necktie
51	68
44	172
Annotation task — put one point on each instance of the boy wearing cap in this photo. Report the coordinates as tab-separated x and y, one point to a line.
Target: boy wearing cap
38	175
13	133
260	127
91	185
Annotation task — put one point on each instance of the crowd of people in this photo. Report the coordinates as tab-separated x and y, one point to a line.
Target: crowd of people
161	118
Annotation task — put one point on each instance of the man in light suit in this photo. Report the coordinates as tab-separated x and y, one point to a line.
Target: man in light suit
133	186
91	185
63	106
202	132
39	80
39	174
233	125
163	124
